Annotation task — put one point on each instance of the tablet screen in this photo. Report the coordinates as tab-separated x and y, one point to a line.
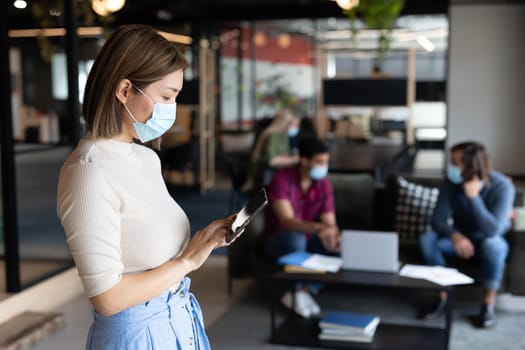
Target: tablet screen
247	213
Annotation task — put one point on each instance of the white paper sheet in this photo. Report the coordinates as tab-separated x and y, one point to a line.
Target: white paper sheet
323	263
444	276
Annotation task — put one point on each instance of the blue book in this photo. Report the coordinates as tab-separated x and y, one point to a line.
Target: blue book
295	258
313	262
350	321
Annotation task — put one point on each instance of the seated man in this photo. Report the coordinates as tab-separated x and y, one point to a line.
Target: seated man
479	202
301	215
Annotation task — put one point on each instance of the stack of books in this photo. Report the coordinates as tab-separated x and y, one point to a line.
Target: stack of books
348	326
308	262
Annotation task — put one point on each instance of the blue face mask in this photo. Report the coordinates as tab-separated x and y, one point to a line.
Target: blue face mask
318	172
454	174
162	118
292	132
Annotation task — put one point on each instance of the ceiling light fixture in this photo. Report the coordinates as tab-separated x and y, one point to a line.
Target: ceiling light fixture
164	15
55	12
259	38
347	4
99	8
425	43
20	4
106	7
284	40
115	5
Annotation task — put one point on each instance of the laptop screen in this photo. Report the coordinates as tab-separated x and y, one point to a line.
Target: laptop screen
370	251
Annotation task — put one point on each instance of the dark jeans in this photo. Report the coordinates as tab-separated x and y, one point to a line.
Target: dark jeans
491	251
286	242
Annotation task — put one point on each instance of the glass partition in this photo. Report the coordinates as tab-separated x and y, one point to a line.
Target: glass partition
265	67
40	136
42	245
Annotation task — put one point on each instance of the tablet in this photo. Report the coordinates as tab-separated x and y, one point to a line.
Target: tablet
247	213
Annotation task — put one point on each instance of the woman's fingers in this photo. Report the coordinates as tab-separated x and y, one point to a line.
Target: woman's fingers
215	233
215	226
207	239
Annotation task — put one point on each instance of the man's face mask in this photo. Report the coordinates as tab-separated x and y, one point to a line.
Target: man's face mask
318	172
454	174
162	118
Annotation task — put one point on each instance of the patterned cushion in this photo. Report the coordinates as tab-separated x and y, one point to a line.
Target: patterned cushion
414	207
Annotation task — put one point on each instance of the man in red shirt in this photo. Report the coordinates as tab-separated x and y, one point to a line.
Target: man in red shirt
301	216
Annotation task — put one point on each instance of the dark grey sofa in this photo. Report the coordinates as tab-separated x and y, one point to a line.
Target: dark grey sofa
360	204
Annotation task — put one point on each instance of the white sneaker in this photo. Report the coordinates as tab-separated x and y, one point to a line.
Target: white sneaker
301	305
310	302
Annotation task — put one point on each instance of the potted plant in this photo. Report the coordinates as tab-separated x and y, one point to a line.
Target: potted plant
276	94
377	14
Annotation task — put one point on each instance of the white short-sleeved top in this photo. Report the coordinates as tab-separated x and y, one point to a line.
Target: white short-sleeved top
117	213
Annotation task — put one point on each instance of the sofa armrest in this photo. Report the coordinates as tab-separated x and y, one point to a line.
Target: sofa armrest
516	261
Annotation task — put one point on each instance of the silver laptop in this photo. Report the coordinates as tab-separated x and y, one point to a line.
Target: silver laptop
370	251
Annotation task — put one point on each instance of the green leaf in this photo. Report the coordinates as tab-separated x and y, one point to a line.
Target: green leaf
377	14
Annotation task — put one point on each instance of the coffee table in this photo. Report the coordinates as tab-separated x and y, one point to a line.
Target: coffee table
298	331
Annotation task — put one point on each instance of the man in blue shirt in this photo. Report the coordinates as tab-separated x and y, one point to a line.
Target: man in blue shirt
471	217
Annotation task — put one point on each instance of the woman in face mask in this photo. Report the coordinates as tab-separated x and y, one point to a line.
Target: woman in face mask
471	217
129	239
272	149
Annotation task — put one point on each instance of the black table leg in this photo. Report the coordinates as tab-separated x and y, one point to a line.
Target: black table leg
448	317
272	312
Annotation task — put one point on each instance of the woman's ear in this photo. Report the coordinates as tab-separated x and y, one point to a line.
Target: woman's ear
123	90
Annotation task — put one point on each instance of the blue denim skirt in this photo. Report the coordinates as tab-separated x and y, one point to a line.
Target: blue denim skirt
172	320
